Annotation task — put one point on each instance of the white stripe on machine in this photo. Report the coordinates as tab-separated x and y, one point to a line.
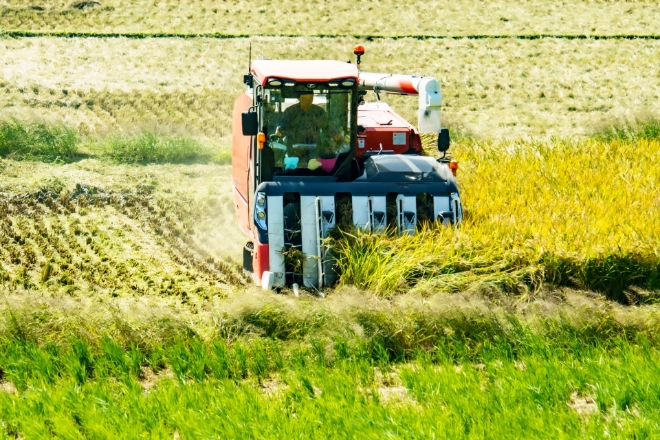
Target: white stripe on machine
308	226
457	207
406	208
276	238
370	213
378	213
317	218
440	207
361	212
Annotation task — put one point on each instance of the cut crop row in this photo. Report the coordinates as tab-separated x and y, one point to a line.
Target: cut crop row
55	239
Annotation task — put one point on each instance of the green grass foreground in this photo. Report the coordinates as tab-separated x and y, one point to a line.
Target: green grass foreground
488	379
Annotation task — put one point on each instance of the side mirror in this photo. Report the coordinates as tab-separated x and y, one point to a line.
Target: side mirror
443	140
250	123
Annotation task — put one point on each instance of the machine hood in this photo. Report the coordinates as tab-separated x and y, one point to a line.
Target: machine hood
403	168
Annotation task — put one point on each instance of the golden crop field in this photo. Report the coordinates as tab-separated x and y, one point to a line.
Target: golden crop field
372	17
579	213
493	89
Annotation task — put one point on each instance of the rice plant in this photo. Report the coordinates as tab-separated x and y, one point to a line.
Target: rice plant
41	141
148	147
649	129
568	213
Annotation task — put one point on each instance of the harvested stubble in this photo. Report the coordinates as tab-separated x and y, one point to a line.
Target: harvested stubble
573	213
492	89
93	240
369	17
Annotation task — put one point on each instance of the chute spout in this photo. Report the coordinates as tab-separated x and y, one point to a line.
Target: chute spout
428	89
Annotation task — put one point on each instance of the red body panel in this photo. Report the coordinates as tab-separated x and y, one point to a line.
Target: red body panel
260	261
241	164
242	213
384	127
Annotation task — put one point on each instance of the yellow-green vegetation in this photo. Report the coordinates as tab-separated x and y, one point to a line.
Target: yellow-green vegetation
578	213
60	143
371	17
125	313
148	147
492	89
37	141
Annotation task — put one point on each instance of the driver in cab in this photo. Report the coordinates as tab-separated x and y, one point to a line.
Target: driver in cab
302	124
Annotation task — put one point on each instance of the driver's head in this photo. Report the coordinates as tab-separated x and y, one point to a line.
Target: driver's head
306	101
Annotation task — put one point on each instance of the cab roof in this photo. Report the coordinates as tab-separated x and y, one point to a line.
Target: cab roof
301	71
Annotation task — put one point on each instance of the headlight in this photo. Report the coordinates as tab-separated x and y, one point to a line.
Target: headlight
260	211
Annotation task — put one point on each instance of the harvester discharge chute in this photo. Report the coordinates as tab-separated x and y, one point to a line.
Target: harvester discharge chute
309	154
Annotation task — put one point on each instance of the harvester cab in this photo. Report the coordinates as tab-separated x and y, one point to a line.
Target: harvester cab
309	154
